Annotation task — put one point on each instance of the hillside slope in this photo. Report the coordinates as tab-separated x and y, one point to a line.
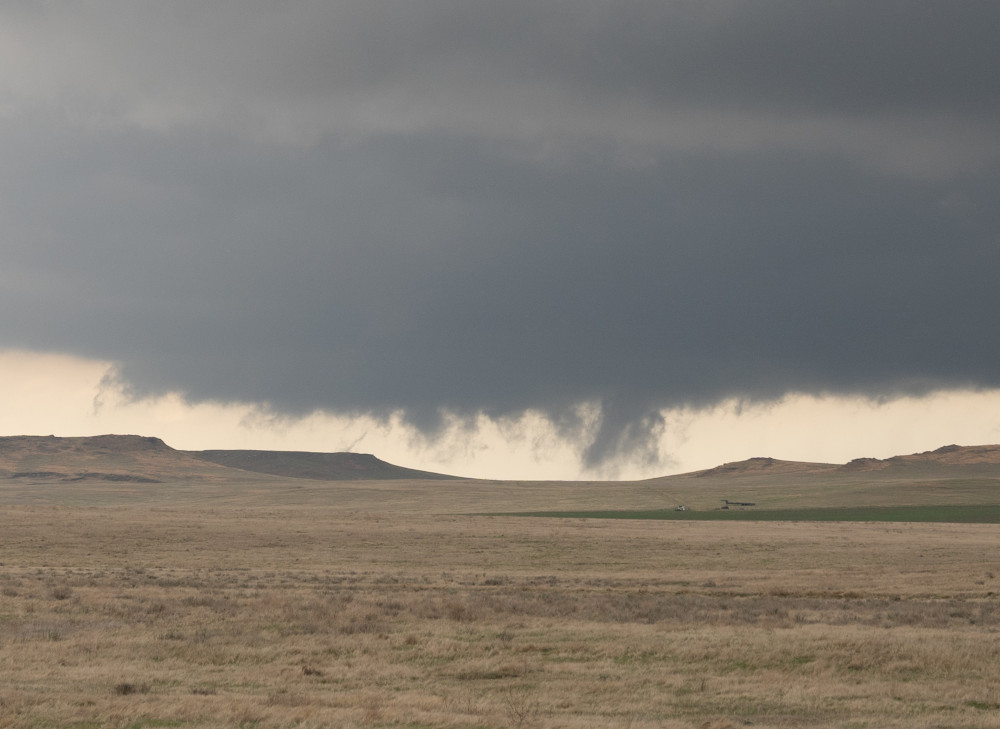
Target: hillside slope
120	458
947	475
139	459
316	466
982	457
760	466
951	458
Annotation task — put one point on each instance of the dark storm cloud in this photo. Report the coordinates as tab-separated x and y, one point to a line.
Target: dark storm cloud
469	207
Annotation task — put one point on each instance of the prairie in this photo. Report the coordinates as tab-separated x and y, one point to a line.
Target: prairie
273	602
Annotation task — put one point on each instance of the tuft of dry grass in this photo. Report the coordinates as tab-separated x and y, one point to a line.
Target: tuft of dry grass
127	687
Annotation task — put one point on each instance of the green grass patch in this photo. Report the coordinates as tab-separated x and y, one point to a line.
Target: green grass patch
958	514
983	705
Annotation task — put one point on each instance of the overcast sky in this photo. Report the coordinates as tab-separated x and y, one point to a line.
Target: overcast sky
458	219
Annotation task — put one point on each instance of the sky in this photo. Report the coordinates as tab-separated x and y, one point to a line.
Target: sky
525	239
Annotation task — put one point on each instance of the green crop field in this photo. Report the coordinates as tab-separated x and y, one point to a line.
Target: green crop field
963	514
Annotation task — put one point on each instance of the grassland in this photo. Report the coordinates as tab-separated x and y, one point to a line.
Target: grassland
275	603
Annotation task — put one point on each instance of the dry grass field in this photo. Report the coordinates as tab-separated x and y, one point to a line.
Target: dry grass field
307	604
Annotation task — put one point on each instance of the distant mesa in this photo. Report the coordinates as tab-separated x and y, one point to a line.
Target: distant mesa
949	455
967	457
750	464
315	466
863	464
123	442
89	443
141	459
954	454
952	449
762	465
147	460
110	458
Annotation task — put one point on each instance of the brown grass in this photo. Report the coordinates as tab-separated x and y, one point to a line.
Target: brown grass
365	613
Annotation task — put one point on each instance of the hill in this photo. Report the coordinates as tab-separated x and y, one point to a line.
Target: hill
764	466
139	459
101	469
950	458
116	458
316	466
949	475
